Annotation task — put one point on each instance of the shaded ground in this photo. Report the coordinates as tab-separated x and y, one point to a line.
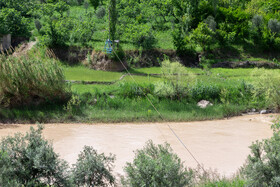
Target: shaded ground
221	145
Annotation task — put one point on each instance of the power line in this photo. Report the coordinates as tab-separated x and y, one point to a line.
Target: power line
160	115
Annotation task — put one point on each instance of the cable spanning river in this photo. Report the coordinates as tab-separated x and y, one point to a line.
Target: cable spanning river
221	145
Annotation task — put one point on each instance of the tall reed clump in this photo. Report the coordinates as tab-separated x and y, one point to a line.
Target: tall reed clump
29	80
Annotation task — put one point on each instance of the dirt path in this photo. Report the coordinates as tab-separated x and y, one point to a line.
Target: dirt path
222	144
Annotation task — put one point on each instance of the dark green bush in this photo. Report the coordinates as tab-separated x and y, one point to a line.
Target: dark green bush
205	92
82	30
157	165
262	167
94	3
100	12
142	36
93	169
30	160
12	22
133	90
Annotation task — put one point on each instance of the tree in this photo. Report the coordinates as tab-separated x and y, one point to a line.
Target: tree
262	165
203	36
29	160
95	3
11	22
93	169
112	19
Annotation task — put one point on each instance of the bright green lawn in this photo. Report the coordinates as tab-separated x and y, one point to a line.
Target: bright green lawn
80	73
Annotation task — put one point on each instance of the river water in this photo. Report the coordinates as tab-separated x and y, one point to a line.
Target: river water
218	144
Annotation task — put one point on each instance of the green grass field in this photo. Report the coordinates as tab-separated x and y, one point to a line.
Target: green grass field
218	76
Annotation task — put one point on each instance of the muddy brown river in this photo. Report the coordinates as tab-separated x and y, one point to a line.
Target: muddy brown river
221	145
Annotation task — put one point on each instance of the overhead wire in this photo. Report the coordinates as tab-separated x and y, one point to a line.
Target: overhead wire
160	115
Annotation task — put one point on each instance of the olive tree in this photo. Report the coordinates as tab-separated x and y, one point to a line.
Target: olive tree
157	165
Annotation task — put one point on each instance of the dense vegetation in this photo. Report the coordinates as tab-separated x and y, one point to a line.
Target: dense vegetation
33	86
207	26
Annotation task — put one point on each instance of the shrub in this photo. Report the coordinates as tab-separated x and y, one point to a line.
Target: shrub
94	3
178	76
201	91
29	160
11	22
83	30
100	12
183	44
93	169
142	36
257	21
262	165
55	31
132	90
210	21
266	83
157	165
274	25
203	36
164	90
28	80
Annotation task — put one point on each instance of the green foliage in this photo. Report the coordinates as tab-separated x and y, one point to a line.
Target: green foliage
28	80
83	30
56	26
93	169
29	160
142	36
25	7
267	84
176	73
100	12
234	20
274	26
208	92
95	3
132	90
203	36
157	165
262	166
56	31
12	22
112	19
164	90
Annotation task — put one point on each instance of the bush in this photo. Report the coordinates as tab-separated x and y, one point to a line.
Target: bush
11	22
29	160
30	81
132	90
157	165
205	92
83	30
262	166
100	12
93	169
177	76
266	83
142	36
94	3
274	25
164	90
203	36
55	31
